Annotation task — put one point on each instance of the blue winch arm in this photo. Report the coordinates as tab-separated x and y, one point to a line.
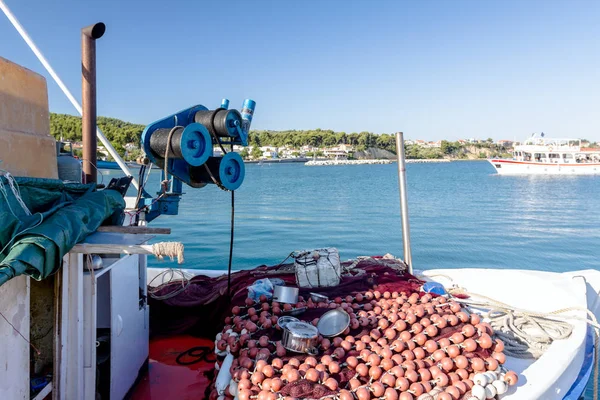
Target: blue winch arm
166	202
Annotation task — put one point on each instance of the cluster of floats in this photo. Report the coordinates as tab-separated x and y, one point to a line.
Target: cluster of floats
371	345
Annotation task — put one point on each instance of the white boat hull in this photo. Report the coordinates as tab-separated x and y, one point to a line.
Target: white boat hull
512	167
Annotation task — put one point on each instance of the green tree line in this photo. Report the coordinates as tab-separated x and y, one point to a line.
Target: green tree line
322	138
120	133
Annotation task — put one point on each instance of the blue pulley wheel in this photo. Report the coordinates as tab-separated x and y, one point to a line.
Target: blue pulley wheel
232	171
195	144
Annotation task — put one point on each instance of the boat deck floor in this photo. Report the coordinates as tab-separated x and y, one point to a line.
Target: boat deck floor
177	369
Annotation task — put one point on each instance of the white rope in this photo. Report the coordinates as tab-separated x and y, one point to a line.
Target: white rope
14	187
5	195
515	325
171	273
169	249
524	335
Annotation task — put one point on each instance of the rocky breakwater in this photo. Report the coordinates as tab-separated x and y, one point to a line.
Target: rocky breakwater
313	163
430	160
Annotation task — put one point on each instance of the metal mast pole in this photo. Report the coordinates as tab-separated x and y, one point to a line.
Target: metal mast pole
89	35
403	200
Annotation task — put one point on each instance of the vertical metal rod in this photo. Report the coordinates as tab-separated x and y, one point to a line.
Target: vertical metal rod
17	25
403	200
89	34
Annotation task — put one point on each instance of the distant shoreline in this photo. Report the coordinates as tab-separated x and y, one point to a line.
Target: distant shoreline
318	163
426	160
326	161
278	160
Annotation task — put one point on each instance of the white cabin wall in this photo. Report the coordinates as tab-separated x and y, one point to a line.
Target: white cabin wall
14	350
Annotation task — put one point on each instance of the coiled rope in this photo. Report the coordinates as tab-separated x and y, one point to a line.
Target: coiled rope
166	278
514	326
525	334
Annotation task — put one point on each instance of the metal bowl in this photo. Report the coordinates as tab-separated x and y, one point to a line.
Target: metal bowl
333	323
317	298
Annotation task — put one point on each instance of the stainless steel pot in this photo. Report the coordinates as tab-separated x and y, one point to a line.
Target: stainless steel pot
285	294
300	337
286	319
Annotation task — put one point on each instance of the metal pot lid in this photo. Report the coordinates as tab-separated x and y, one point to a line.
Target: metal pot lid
286	319
333	322
302	329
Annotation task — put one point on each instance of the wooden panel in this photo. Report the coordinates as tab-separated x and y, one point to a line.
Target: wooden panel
26	147
28	155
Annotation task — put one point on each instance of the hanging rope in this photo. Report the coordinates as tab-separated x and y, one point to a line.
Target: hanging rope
96	168
14	188
169	249
231	244
165	182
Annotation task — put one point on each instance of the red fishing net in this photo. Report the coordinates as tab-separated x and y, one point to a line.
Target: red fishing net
202	307
400	344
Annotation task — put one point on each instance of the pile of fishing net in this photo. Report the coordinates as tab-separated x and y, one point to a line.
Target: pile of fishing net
200	309
401	343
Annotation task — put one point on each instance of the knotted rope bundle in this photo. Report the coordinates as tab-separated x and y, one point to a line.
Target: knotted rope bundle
168	249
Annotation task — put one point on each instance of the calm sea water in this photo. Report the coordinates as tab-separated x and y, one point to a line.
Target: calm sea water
461	214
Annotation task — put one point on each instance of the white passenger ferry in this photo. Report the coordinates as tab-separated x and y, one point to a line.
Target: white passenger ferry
549	156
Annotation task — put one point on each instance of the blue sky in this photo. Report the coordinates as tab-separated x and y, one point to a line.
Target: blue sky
433	69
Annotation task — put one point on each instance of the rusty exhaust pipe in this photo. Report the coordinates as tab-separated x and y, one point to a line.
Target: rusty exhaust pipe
89	34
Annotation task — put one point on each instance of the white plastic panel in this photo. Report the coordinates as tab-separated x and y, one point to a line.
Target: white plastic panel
129	333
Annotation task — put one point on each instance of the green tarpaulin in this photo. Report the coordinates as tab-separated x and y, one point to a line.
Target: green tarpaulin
62	215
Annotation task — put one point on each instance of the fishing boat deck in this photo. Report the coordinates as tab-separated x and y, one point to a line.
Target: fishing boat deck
182	366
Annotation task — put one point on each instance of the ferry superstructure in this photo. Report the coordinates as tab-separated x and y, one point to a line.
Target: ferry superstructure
540	155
